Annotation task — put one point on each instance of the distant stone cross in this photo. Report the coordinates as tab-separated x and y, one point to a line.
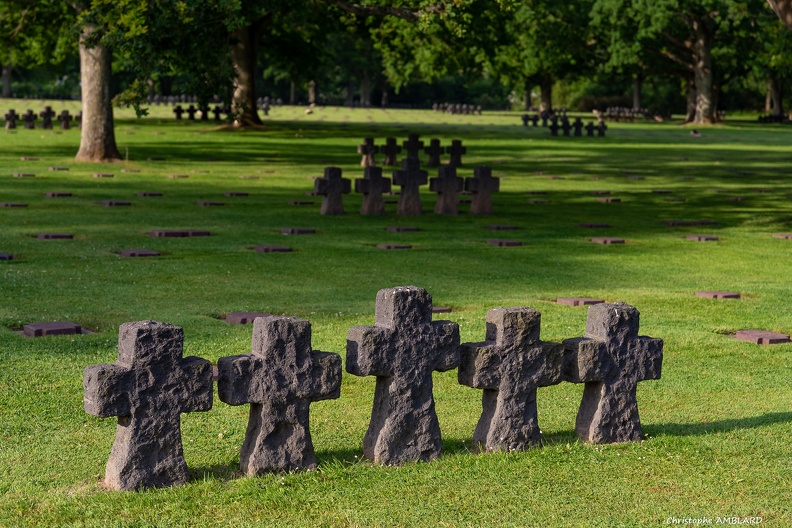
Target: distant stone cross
218	112
553	128
482	185
601	128
412	146
509	366
611	359
578	126
332	186
372	186
178	111
367	150
447	185
590	129
203	109
11	118
147	389
566	127
391	150
456	150
434	151
410	179
191	110
29	118
402	350
65	120
46	117
279	379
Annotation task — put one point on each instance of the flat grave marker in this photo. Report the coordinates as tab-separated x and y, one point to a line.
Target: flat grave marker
504	243
54	236
210	204
578	301
702	238
236	194
24	175
502	227
608	199
243	318
103	175
48	328
272	249
178	233
115	203
607	240
297	231
148	194
783	236
134	253
6	256
762	337
402	229
13	204
394	246
718	295
58	194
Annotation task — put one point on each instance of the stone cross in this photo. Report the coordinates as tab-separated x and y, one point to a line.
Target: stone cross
391	150
218	112
482	185
578	126
332	186
65	120
434	151
553	128
11	118
372	186
29	118
147	389
535	120
412	146
402	350
525	118
367	149
590	129
611	359
446	185
544	119
191	110
279	379
46	117
509	366
566	127
203	109
178	111
456	150
410	179
601	128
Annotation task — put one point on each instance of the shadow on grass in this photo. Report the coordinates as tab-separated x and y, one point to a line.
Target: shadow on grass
721	426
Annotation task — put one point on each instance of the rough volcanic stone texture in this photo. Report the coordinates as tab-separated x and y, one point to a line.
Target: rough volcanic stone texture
611	359
402	350
372	186
147	389
333	187
279	379
509	366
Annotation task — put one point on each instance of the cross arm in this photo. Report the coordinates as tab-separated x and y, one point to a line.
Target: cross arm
325	381
585	360
106	390
648	353
197	384
447	345
479	365
234	378
367	351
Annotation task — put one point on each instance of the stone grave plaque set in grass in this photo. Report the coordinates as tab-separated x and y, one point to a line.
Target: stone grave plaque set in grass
283	375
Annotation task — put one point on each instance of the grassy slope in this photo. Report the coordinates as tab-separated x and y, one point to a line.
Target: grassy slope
717	423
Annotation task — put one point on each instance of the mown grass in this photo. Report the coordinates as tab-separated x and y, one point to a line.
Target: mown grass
717	424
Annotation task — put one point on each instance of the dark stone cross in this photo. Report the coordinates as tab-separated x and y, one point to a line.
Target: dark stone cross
65	120
554	128
191	110
434	151
482	185
147	389
601	128
391	150
402	350
525	118
11	118
611	359
566	127
218	112
447	185
412	146
456	150
204	111
178	111
372	186
332	186
46	117
367	149
509	366
590	129
534	120
279	379
410	179
29	118
578	126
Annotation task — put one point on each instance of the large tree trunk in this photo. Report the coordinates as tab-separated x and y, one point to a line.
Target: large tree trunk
783	9
637	85
702	70
690	114
384	99
7	81
243	54
365	91
97	139
776	96
312	92
546	88
527	95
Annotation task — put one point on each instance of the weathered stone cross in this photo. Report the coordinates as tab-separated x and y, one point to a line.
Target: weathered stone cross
412	146
590	129
178	111
279	379
11	118
367	149
332	186
147	389
410	179
46	117
611	359
578	126
482	185
509	366
402	350
29	118
456	150
191	111
391	150
446	185
65	120
434	151
371	186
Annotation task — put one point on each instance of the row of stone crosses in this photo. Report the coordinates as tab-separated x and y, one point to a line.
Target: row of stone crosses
458	108
575	127
151	384
29	118
410	178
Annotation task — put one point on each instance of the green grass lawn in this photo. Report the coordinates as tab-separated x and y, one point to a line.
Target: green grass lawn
717	424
